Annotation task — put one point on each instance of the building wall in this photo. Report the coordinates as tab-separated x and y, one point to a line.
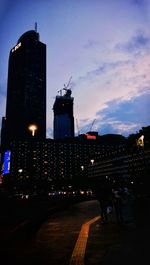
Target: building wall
63	117
52	162
132	168
26	90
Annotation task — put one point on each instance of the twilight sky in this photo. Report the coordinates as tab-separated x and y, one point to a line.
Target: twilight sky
103	44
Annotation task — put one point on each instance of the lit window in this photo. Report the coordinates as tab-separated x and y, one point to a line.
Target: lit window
16	47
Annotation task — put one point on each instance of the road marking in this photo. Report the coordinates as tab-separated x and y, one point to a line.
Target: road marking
78	254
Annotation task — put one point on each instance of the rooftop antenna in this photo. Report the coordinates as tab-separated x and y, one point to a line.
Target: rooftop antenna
35	26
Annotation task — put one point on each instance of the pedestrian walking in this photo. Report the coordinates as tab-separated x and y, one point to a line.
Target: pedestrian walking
103	196
117	199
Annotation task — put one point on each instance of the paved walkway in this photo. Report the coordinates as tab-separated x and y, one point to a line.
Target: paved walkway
121	244
109	244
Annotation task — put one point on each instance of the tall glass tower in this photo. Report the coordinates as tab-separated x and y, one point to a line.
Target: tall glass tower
63	116
26	89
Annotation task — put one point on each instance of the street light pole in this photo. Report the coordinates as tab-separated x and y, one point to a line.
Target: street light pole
92	161
33	129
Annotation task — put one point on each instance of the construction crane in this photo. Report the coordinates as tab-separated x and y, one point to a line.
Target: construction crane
92	125
66	86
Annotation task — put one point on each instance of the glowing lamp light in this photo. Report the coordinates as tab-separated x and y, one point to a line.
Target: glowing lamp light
89	136
140	141
33	129
16	47
82	167
92	161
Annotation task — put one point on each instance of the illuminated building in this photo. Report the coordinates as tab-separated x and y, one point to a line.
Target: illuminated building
26	89
58	163
63	116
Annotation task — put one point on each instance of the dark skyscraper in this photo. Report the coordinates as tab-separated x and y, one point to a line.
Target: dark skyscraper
63	116
26	90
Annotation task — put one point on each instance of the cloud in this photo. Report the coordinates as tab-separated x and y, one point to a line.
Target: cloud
102	69
101	73
106	125
123	76
118	127
49	132
140	3
91	44
138	42
126	116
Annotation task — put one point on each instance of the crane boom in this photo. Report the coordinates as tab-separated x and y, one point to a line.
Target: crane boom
92	124
66	86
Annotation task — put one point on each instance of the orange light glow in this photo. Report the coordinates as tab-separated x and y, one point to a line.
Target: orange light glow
33	129
89	136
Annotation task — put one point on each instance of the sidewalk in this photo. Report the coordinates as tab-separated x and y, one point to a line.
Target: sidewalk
121	244
109	244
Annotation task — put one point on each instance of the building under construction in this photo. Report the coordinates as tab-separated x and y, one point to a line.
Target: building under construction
63	115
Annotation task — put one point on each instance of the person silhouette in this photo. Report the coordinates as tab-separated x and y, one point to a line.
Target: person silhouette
103	196
117	194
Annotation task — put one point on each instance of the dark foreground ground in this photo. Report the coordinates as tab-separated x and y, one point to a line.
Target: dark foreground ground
45	232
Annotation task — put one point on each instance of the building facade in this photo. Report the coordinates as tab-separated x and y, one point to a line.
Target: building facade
131	169
41	165
63	116
26	90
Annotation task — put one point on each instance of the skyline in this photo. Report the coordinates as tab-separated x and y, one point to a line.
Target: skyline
104	46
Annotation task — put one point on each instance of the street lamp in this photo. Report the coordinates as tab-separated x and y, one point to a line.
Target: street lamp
92	161
82	167
92	169
33	129
82	181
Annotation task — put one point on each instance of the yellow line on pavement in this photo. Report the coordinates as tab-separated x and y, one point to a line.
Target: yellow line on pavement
78	254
